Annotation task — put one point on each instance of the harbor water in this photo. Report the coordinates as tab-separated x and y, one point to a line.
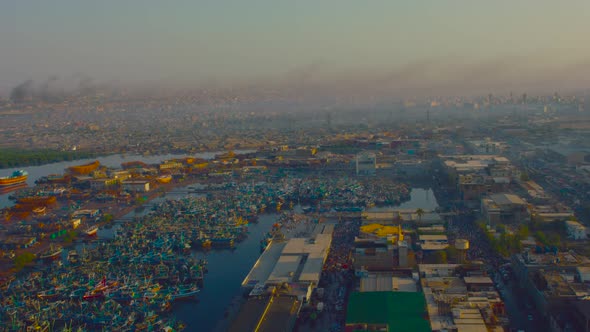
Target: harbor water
227	267
420	198
227	270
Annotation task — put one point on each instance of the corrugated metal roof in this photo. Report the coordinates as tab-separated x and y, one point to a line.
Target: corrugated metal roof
506	199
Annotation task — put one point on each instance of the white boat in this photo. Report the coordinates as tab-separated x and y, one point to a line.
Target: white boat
91	230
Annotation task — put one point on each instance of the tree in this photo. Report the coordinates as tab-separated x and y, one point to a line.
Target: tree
524	176
107	217
540	236
420	213
440	257
451	253
523	232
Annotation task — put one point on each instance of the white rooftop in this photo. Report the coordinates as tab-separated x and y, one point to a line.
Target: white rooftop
285	269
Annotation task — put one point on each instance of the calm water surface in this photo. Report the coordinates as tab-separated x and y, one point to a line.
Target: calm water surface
419	198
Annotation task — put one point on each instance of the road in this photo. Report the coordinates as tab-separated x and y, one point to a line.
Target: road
463	226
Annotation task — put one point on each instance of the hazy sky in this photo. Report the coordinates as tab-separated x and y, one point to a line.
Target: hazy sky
427	43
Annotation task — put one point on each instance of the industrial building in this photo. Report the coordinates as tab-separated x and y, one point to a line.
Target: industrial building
505	209
282	280
297	262
477	175
557	284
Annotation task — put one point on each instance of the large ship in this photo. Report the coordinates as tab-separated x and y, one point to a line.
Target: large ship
166	178
16	178
85	169
37	200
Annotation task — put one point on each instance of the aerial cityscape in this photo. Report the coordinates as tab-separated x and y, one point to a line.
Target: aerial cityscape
259	166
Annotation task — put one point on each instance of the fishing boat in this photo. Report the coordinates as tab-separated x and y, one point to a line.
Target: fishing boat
185	293
92	296
73	257
10	188
39	210
54	178
51	294
52	253
17	177
222	242
91	230
78	294
162	272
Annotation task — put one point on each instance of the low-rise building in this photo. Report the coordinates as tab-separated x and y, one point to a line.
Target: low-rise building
430	242
461	303
552	280
404	216
102	184
504	209
366	163
136	185
298	262
575	230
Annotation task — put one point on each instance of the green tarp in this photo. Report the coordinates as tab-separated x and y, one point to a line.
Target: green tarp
401	311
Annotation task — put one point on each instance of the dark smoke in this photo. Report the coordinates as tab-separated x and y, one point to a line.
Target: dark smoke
22	91
55	89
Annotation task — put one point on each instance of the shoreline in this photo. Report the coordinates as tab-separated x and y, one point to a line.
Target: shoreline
144	154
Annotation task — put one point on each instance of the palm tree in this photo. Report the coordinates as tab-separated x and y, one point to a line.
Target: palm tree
420	213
